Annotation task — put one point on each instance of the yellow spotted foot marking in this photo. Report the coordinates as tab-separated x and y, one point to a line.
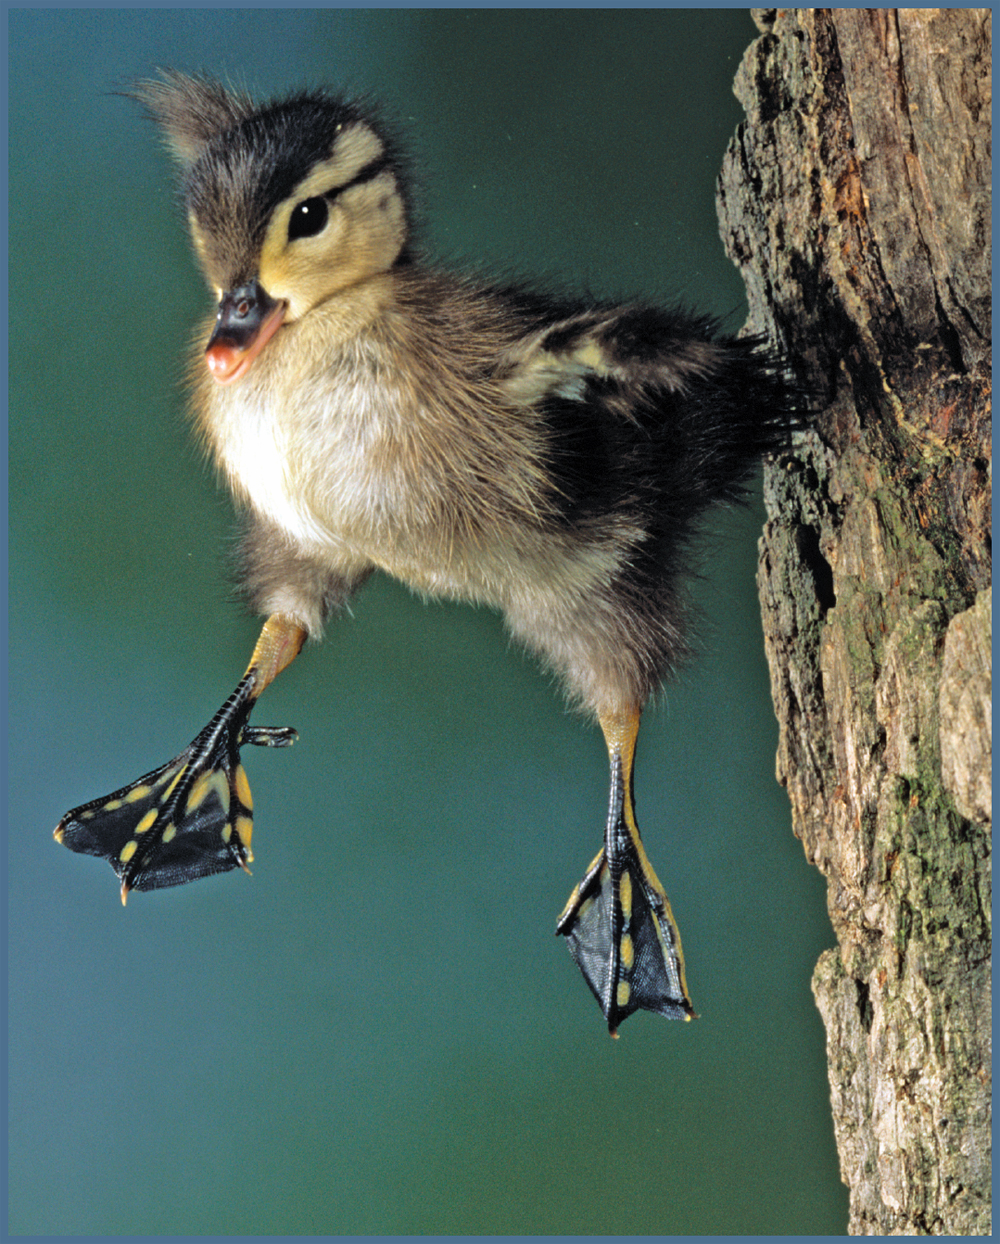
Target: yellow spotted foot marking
191	817
619	926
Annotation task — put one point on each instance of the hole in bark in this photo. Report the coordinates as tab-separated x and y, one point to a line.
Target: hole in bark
864	1006
809	551
950	339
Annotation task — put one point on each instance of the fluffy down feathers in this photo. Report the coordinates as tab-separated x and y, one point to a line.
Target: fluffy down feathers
488	444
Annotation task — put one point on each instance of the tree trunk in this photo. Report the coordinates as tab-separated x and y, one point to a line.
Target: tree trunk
856	200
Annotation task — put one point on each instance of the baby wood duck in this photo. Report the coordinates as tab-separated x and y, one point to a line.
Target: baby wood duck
483	443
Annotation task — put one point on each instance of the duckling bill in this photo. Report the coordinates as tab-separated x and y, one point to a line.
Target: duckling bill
369	411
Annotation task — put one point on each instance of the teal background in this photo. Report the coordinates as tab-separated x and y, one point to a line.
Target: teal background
378	1032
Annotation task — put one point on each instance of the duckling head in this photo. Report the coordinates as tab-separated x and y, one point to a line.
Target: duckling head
289	204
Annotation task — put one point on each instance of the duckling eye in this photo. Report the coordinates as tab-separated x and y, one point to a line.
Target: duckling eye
308	219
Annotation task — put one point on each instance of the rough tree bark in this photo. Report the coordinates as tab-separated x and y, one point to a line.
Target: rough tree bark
856	200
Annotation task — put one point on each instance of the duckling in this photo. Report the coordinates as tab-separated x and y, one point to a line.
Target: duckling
480	442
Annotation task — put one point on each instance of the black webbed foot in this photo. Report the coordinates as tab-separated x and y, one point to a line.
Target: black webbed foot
619	927
187	819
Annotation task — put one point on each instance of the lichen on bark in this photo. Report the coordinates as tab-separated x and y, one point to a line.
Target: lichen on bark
856	201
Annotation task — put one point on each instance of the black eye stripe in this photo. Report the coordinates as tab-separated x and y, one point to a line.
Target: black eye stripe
309	217
368	173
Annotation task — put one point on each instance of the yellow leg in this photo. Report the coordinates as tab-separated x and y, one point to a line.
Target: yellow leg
279	643
618	923
620	733
194	815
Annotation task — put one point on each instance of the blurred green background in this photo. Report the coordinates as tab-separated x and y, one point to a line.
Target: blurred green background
378	1032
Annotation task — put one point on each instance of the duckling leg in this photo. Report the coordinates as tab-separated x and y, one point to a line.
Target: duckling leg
618	923
194	815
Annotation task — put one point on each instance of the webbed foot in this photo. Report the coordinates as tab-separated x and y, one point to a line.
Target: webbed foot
618	923
187	819
624	940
